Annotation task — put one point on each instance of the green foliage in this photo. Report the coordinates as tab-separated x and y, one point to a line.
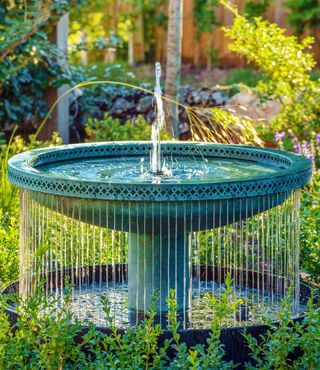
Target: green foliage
204	19
29	61
286	68
315	74
310	221
8	192
9	248
282	341
93	31
204	14
137	348
280	57
253	9
43	338
213	54
244	76
9	208
199	357
304	14
103	23
111	129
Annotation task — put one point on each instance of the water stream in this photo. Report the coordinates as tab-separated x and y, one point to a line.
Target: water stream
260	251
158	124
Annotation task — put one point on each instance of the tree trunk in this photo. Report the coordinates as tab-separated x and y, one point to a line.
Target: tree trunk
110	24
173	68
59	121
278	12
131	60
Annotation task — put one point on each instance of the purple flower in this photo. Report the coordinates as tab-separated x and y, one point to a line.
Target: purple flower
318	138
279	136
296	148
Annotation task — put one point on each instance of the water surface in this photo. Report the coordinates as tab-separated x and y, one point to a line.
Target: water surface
136	169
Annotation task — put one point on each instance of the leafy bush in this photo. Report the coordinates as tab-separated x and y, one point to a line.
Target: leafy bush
255	8
310	221
29	61
286	66
9	248
289	338
111	129
304	14
9	192
9	207
244	76
44	337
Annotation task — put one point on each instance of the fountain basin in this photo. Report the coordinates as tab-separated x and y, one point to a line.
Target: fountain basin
239	177
235	344
109	186
279	171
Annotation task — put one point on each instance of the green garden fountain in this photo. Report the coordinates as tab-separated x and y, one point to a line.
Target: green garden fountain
121	226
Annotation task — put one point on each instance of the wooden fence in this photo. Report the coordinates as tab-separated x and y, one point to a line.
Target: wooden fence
196	51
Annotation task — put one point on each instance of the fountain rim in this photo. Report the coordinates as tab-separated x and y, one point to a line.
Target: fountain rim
294	172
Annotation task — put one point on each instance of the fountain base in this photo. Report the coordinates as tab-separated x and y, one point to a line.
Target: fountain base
231	336
158	263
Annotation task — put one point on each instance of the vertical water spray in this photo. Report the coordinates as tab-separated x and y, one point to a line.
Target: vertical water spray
158	124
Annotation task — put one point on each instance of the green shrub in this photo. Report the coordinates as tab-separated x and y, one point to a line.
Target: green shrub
9	207
315	74
286	66
111	129
43	338
303	15
255	8
281	342
29	60
244	76
9	192
9	248
310	221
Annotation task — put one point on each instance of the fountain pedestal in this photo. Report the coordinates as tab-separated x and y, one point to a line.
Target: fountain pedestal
158	263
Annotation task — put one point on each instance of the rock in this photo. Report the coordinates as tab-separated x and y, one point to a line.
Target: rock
102	103
183	128
145	104
194	98
121	106
96	113
218	98
204	97
247	103
244	98
127	104
151	116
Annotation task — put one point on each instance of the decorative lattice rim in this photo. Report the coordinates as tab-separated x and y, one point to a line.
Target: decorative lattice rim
294	172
